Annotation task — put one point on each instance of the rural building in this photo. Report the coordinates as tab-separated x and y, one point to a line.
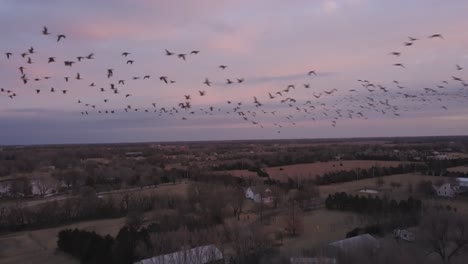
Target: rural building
134	154
404	235
446	190
358	245
259	194
199	255
314	260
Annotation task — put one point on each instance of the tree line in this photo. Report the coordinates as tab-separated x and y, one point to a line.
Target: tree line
372	205
374	171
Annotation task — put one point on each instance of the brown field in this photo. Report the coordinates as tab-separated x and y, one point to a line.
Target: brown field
241	173
308	170
386	189
460	169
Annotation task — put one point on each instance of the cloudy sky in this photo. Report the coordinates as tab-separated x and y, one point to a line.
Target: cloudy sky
269	43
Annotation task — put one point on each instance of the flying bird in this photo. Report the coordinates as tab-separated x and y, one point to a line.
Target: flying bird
168	53
222	67
436	36
163	78
61	36
207	82
312	72
45	31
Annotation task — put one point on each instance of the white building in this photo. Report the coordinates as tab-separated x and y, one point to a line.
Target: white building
446	190
259	194
198	255
404	235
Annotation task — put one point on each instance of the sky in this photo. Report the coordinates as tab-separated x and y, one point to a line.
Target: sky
269	43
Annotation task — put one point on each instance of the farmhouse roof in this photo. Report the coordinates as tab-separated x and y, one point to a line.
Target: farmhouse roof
353	244
262	190
197	255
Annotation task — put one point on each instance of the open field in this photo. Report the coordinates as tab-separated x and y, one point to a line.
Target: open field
459	169
320	228
40	245
370	183
301	171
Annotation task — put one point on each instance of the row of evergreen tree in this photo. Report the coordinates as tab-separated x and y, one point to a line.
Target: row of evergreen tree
375	171
372	205
92	248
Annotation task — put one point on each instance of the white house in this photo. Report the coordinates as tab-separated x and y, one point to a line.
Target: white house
199	255
259	194
404	235
446	190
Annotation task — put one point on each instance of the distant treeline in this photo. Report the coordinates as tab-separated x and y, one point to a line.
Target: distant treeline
375	171
372	205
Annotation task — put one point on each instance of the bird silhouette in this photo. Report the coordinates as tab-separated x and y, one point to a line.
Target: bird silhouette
163	78
45	31
312	72
222	67
207	82
60	37
182	56
436	36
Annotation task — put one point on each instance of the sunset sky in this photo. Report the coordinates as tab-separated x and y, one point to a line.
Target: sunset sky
269	43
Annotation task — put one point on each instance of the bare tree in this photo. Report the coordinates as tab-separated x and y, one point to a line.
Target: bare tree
45	185
293	220
446	233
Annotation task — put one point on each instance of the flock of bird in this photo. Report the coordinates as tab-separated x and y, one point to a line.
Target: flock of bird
280	106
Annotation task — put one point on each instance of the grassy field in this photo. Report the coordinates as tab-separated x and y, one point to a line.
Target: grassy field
320	228
39	246
404	179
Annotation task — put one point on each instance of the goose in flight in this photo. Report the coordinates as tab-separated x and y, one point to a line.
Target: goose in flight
45	31
125	54
436	36
207	82
61	36
168	53
312	72
8	55
163	78
222	67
